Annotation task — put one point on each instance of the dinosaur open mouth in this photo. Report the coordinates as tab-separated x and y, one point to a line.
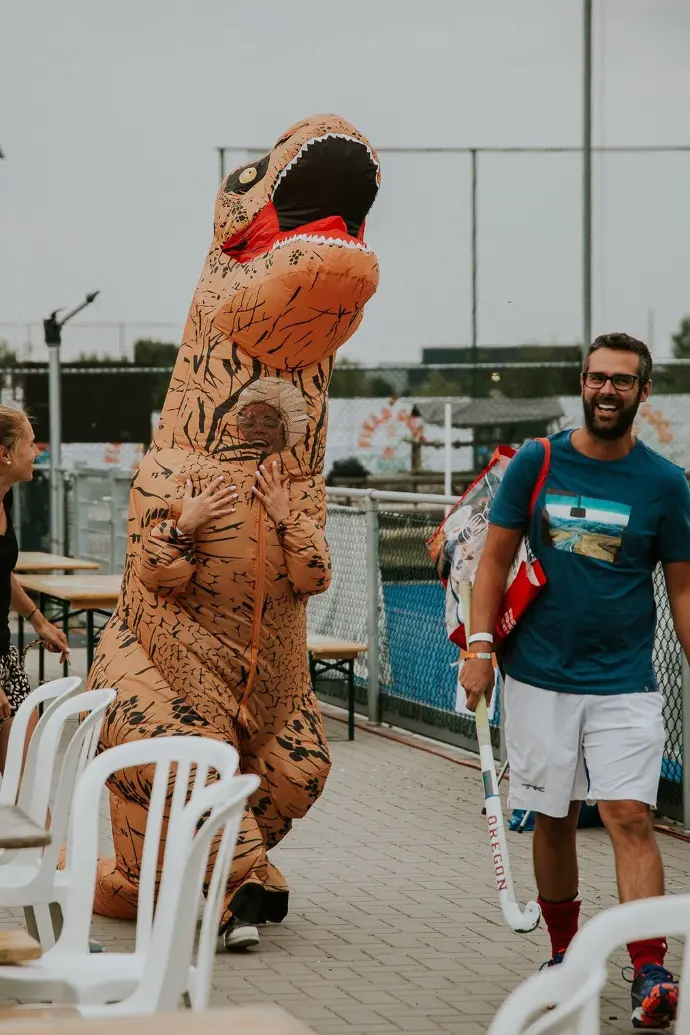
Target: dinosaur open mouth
322	196
333	175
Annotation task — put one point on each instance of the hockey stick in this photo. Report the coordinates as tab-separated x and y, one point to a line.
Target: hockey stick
516	918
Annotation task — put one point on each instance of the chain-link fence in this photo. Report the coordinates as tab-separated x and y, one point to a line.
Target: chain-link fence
416	682
672	681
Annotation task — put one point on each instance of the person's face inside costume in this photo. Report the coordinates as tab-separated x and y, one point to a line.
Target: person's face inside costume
261	425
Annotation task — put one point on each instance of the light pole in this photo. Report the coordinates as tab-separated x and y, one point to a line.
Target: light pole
52	329
587	177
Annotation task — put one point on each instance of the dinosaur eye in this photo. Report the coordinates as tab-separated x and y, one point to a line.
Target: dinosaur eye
242	179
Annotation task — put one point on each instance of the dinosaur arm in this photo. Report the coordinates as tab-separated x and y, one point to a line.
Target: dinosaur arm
307	556
167	561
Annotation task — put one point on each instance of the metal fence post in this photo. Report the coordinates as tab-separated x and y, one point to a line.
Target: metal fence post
76	514
372	560
685	746
113	519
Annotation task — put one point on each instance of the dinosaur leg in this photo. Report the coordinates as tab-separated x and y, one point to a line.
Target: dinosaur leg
293	766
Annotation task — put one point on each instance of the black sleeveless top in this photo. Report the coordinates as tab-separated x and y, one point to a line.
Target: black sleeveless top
9	552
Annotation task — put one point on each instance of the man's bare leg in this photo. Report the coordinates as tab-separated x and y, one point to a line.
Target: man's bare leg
639	869
556	872
640	874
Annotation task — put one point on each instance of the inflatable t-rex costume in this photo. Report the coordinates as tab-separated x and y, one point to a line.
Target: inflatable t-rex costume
209	635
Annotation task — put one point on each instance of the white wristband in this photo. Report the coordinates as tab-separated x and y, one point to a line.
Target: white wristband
480	638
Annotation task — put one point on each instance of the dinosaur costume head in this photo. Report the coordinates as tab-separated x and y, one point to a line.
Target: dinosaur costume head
284	285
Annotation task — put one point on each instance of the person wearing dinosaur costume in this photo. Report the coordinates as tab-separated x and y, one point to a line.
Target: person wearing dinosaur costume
209	634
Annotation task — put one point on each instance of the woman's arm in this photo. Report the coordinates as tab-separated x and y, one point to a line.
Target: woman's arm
54	638
21	602
307	557
167	561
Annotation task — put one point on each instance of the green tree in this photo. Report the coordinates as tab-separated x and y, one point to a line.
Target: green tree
439	383
8	357
150	353
681	339
349	381
93	359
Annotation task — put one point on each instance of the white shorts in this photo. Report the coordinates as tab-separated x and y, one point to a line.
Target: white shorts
551	736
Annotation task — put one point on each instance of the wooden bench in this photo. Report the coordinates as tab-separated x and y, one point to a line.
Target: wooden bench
328	654
16	946
35	562
86	593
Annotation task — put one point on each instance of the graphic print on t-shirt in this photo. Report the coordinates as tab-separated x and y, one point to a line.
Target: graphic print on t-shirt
583	525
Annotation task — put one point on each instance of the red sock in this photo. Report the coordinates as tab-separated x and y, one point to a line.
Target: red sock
649	950
561	919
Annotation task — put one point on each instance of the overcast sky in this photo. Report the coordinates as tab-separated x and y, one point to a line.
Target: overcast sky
110	115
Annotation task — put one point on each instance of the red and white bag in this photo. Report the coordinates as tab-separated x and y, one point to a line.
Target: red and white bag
456	546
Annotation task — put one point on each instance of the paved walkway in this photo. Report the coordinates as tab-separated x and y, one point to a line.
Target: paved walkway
394	923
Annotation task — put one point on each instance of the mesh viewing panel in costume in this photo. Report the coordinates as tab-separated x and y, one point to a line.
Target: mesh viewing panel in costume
209	635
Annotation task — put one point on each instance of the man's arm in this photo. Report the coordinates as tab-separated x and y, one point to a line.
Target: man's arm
508	520
477	676
490	580
674	554
677	575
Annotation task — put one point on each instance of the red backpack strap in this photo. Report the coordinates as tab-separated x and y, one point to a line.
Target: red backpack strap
543	474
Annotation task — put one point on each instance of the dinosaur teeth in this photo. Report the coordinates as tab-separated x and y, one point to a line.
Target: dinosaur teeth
315	140
337	242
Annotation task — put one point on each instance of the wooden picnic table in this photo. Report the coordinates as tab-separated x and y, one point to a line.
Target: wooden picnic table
265	1019
329	654
87	593
35	561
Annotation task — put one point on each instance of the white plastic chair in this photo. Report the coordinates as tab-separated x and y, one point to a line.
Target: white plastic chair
11	778
159	971
664	916
31	878
572	994
575	985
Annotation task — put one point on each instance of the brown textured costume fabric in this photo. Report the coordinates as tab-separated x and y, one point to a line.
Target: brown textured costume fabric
209	635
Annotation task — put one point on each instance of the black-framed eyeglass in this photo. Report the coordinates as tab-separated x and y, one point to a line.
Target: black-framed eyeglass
621	382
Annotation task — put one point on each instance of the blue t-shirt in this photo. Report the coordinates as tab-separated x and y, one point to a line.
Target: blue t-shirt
599	529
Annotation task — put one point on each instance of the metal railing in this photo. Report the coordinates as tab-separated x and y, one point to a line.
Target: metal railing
385	593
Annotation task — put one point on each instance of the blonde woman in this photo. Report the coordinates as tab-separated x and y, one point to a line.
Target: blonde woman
18	451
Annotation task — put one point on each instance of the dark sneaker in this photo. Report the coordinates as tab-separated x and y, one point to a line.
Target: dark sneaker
553	962
558	958
238	937
654	995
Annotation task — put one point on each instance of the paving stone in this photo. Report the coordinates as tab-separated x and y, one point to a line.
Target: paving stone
394	922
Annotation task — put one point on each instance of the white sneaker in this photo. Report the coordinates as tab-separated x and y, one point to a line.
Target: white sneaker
239	936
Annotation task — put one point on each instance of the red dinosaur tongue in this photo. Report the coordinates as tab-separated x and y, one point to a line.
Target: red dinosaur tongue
265	231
